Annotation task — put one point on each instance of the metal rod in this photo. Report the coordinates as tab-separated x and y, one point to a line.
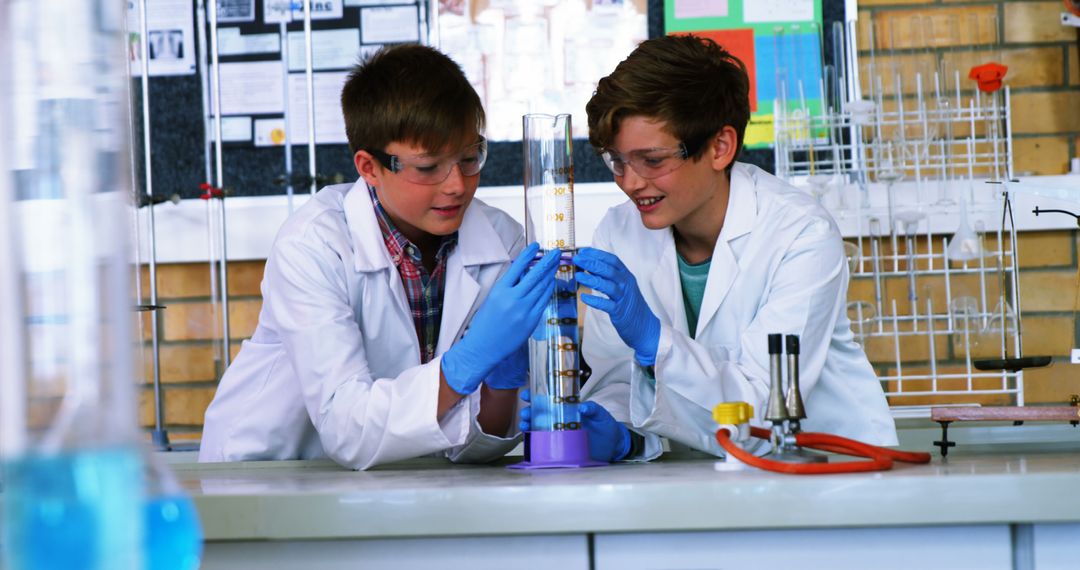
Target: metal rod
1008	133
212	245
984	309
1014	274
160	435
1002	302
434	38
136	232
200	18
913	294
892	226
854	87
283	31
971	150
896	347
215	86
931	340
921	119
995	128
930	255
226	356
948	281
875	252
310	73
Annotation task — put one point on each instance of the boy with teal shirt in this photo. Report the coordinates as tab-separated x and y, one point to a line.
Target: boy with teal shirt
707	258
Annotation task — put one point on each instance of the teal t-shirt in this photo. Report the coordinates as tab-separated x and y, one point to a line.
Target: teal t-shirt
693	279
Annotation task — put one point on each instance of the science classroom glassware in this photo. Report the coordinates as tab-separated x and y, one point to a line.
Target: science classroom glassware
173	538
72	471
556	437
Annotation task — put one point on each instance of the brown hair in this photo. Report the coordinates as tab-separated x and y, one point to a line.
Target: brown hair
690	83
409	93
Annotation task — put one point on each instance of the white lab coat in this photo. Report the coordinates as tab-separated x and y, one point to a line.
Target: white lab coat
778	267
333	368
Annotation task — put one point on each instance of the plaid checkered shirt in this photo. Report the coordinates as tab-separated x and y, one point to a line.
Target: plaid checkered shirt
423	290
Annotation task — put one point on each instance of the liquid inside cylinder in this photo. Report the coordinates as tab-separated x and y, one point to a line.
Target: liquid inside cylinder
554	360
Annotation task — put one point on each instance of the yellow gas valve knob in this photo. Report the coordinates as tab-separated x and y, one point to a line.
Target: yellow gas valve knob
732	413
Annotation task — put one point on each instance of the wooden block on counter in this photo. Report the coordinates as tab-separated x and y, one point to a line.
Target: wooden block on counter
1005	414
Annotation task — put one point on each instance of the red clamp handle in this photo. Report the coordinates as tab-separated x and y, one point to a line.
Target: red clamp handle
209	191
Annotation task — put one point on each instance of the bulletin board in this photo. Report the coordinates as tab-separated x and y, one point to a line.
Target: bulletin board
252	167
263	73
779	41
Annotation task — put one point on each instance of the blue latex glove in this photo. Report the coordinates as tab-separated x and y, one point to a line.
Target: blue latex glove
609	440
503	323
631	316
513	372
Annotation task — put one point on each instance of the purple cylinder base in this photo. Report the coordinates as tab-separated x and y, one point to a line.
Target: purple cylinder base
556	449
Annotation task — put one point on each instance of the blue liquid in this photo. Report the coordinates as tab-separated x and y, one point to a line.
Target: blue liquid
173	534
74	511
554	362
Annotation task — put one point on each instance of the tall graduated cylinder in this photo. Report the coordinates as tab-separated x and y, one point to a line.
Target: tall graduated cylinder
72	472
556	438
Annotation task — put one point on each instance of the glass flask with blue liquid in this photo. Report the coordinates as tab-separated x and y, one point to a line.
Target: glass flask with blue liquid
173	536
72	472
556	437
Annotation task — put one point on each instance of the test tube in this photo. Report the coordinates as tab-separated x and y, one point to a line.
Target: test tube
556	437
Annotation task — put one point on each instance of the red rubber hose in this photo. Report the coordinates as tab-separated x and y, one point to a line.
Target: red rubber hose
878	458
842	443
821	440
760	433
876	462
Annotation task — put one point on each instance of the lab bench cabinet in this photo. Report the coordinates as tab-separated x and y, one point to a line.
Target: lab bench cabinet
985	512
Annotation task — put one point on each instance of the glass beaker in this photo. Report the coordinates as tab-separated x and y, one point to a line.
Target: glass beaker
72	471
556	437
965	315
861	314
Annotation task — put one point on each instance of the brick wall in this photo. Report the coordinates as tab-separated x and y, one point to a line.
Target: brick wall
1041	54
187	332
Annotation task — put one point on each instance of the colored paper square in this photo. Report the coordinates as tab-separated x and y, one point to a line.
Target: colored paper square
740	43
793	59
759	133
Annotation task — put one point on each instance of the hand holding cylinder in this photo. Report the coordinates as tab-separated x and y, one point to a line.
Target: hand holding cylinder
630	314
510	312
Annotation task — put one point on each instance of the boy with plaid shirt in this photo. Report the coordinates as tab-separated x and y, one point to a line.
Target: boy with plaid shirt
360	353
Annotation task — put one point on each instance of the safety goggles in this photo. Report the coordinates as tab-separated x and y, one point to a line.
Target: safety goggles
648	163
429	169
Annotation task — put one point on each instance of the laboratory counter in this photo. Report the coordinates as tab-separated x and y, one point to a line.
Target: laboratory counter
982	511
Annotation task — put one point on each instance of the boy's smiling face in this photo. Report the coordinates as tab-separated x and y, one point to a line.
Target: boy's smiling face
693	196
421	211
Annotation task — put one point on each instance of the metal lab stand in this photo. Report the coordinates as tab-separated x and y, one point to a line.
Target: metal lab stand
923	136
